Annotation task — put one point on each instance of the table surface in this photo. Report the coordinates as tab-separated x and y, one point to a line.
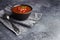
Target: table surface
48	28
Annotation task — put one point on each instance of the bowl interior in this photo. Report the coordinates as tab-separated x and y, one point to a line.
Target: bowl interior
22	5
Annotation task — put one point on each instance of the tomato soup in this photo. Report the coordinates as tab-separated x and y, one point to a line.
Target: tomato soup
21	9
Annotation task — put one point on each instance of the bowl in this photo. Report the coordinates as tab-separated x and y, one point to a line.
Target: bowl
21	12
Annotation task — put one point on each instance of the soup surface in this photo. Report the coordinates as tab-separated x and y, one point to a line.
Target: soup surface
21	9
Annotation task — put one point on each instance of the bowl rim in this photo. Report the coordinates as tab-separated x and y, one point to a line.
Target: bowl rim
22	5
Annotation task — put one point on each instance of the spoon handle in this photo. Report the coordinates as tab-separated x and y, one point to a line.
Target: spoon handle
14	27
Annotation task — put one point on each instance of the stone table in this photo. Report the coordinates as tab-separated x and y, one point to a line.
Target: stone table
48	28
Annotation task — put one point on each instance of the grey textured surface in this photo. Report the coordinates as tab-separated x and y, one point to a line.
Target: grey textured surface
48	27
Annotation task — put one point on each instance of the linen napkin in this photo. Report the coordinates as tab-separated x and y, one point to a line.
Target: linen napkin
31	21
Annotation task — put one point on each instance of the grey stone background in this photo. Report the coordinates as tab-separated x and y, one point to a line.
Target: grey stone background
48	28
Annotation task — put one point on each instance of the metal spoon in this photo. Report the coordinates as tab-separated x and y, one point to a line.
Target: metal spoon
6	17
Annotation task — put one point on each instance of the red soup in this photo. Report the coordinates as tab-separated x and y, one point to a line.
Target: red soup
21	9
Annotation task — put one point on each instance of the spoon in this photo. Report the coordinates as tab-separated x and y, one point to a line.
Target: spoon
6	17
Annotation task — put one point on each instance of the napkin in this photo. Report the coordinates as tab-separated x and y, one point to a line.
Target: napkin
31	21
